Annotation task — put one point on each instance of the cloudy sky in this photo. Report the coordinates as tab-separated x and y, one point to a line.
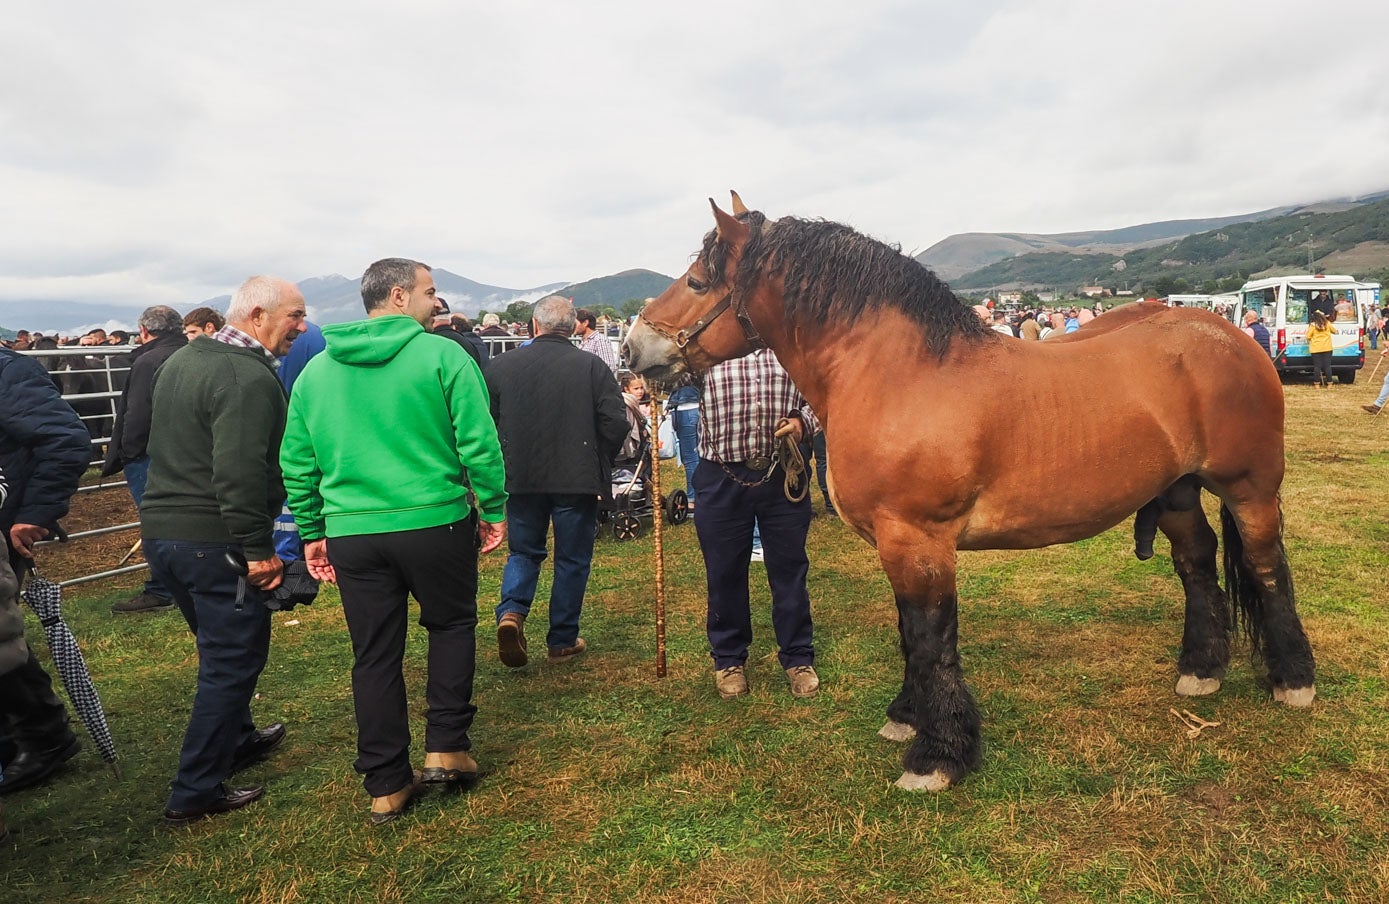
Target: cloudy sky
159	152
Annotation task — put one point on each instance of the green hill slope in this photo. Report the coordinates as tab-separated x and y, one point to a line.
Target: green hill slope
1223	256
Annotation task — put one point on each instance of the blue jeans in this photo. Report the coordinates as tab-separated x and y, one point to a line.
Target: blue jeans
528	518
1383	391
233	643
137	474
687	433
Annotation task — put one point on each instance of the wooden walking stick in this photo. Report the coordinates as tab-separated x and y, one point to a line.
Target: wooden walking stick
1376	370
657	510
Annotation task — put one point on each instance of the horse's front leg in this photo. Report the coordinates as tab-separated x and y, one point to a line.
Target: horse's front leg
934	709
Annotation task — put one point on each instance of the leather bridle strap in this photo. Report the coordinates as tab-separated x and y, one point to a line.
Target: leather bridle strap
682	338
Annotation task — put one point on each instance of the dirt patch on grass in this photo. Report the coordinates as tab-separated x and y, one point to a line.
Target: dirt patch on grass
91	510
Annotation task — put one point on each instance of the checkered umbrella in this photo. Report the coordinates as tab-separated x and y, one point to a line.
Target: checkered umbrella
45	598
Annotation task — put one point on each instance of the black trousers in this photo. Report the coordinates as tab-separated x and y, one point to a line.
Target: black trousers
376	572
31	715
724	521
1321	367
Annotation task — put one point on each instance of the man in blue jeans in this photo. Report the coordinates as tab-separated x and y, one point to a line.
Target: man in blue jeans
161	334
561	420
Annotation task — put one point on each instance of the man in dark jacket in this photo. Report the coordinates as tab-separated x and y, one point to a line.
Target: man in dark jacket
455	327
561	420
161	334
44	449
214	490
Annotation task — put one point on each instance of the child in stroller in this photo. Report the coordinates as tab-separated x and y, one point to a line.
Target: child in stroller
631	502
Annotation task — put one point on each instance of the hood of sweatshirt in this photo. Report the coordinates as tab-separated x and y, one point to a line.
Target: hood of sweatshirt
375	340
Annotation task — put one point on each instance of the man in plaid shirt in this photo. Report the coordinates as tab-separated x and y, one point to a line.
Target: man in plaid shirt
592	339
741	485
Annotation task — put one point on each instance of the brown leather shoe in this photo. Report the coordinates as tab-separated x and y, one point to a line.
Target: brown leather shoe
1370	409
564	654
393	806
804	681
731	682
511	640
453	768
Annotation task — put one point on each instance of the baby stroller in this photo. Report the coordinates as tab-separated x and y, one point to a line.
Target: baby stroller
632	505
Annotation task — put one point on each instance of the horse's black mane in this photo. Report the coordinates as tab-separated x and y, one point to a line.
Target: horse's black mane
832	273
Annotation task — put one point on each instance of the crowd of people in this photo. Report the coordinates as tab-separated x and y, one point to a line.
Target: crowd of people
386	455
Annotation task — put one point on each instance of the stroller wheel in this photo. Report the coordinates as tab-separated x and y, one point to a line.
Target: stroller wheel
677	507
626	526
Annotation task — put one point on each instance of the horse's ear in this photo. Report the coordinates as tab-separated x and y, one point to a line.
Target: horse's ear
728	228
739	208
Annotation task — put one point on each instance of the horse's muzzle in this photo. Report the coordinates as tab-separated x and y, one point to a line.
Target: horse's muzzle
651	354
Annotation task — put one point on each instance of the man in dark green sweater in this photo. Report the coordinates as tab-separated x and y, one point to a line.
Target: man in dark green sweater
214	489
387	429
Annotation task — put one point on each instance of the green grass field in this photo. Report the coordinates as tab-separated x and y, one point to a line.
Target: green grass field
603	783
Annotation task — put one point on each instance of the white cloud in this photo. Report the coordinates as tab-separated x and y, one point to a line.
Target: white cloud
159	152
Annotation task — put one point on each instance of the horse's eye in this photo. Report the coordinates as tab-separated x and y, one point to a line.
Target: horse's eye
695	285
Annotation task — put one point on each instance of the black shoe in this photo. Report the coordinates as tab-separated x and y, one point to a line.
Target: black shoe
228	799
258	747
144	602
32	767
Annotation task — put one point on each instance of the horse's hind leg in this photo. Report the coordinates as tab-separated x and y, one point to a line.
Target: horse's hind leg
1261	585
1206	635
935	708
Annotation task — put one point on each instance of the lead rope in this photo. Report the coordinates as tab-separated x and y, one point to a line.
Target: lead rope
792	462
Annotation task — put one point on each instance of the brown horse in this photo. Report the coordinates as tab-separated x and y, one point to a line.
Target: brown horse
1147	403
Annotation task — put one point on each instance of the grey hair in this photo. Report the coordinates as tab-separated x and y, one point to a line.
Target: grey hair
491	320
264	292
385	275
161	320
554	314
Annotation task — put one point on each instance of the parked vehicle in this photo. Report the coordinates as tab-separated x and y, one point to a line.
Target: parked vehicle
1286	302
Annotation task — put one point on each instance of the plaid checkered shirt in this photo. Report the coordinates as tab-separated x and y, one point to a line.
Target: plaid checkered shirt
232	336
743	400
599	344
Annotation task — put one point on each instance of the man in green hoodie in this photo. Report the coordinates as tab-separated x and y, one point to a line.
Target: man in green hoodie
387	429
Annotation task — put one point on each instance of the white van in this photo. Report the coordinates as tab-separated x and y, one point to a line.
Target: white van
1285	304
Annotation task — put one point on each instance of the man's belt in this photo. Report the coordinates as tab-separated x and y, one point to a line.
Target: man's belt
759	462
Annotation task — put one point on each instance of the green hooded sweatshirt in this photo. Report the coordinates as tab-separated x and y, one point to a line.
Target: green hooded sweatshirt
386	429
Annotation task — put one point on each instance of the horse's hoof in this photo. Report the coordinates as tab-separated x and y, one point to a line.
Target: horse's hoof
931	781
1191	686
896	731
1298	697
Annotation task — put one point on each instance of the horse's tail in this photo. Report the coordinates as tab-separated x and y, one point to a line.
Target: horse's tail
1240	585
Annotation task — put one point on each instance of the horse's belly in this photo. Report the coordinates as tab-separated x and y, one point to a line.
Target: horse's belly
1034	529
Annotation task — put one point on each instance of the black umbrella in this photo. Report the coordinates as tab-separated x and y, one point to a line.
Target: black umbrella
46	598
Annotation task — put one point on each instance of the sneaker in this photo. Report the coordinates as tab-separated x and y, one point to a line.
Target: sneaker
511	640
804	681
564	654
1370	409
757	555
144	602
731	682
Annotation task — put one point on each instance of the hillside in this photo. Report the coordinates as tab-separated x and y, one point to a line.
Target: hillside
1354	240
337	299
615	289
966	252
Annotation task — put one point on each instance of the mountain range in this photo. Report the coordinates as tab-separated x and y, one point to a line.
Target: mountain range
1020	260
337	299
1349	235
